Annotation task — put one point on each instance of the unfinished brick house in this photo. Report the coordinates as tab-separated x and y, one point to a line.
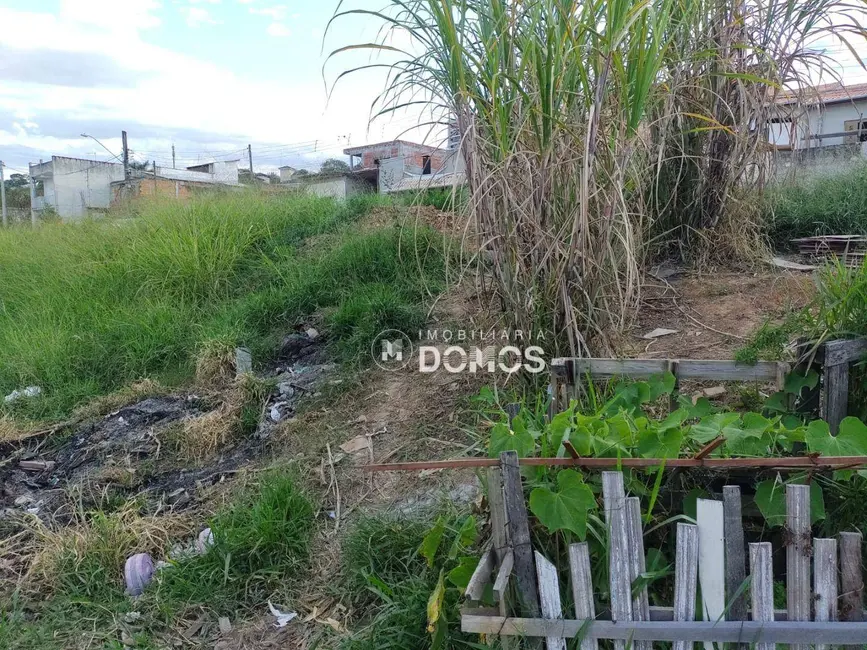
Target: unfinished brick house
400	165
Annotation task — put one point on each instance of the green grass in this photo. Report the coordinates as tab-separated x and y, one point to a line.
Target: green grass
389	584
828	205
87	309
261	549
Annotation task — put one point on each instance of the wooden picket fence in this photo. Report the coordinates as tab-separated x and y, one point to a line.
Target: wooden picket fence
824	580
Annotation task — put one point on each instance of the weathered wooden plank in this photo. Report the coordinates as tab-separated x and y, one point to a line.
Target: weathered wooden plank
501	582
481	576
825	582
554	388
497	507
711	560
707	631
735	562
837	352
549	597
705	369
667	614
762	586
582	588
685	577
851	578
519	534
619	571
798	551
836	389
635	544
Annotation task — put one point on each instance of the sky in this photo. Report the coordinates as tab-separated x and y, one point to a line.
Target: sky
207	76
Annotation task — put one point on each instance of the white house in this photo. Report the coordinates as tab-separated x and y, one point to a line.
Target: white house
821	118
73	186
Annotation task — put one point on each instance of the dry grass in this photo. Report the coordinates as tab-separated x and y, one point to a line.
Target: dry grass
240	408
87	558
215	364
12	430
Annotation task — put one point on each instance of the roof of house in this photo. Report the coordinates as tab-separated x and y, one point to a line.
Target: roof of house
353	151
831	93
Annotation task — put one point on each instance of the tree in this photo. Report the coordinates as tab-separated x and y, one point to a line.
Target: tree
17	180
302	172
334	166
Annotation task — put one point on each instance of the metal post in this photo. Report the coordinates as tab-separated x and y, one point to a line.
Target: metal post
250	155
125	156
3	195
173	157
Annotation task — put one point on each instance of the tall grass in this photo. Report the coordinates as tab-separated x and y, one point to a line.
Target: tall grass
822	205
89	308
595	130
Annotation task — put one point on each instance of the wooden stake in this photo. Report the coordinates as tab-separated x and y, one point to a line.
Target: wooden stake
798	552
711	560
549	595
519	533
499	527
762	587
736	571
619	567
685	577
825	581
582	588
851	580
640	603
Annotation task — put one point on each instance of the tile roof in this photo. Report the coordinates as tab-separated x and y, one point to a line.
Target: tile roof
825	94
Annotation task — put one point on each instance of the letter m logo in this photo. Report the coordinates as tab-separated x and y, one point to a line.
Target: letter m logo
392	350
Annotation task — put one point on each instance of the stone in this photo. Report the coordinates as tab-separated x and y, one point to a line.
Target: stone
243	361
312	334
285	389
225	625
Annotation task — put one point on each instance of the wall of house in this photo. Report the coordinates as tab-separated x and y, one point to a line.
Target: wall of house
340	187
80	185
185	175
832	118
226	172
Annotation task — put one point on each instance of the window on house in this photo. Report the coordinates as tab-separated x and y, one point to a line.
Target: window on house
862	131
425	164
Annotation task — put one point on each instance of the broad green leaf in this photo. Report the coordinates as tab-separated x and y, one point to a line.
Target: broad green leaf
461	574
628	397
660	444
431	542
565	509
748	436
851	440
661	385
771	501
711	426
674	419
796	382
582	440
505	439
700	409
466	537
559	431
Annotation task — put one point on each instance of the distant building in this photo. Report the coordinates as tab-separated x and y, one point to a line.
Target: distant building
73	187
399	165
76	187
821	117
286	173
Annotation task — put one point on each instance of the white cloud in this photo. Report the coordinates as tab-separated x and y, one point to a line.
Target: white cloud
196	17
278	29
275	12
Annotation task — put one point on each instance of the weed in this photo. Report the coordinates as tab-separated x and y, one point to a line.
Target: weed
261	546
89	309
823	205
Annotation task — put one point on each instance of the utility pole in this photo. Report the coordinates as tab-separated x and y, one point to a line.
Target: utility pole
32	197
173	157
125	156
3	195
250	155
